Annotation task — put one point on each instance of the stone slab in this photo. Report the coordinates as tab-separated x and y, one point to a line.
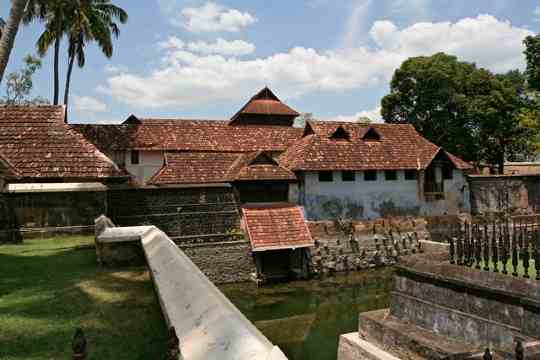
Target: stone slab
408	341
352	347
208	325
123	234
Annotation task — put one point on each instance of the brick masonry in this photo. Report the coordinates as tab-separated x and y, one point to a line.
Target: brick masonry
223	262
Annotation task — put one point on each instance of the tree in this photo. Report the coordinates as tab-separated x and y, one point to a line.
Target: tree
54	14
91	21
532	55
2	26
19	84
9	33
470	112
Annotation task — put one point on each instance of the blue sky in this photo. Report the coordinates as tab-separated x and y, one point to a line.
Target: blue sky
331	58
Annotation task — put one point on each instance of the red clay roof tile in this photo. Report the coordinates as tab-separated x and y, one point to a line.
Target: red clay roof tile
37	144
400	147
276	226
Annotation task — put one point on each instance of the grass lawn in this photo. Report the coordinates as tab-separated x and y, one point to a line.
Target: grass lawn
510	268
49	287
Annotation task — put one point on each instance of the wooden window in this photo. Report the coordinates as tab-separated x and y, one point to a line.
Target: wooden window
326	176
370	175
411	174
390	175
348	176
134	157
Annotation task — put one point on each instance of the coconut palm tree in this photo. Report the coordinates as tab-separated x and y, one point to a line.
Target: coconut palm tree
2	25
91	21
10	32
54	15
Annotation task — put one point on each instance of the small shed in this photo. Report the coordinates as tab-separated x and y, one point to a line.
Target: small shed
280	239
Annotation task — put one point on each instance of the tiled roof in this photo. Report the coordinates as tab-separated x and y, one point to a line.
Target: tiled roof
400	147
194	168
36	143
265	102
217	167
258	166
190	135
276	226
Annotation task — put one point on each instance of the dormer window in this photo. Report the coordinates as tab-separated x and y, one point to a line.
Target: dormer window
371	135
340	134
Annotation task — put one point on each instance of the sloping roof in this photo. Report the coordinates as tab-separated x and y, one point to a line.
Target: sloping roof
189	135
258	166
37	144
194	168
400	147
276	226
265	102
217	167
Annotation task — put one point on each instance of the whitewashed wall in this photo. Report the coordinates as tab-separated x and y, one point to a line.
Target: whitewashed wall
150	162
373	199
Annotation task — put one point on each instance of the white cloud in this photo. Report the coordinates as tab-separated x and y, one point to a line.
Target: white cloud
172	42
188	78
212	17
223	47
374	115
88	105
220	46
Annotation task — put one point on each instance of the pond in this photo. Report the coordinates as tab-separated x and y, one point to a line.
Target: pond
305	318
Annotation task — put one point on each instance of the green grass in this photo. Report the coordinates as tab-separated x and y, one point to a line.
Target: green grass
510	268
49	287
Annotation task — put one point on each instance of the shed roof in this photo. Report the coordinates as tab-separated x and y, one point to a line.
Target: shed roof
276	226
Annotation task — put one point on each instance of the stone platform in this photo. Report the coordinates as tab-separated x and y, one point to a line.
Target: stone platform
444	311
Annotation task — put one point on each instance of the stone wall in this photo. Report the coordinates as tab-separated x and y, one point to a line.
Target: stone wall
481	308
8	230
515	194
187	215
364	244
227	262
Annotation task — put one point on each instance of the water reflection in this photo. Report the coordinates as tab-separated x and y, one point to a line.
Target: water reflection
305	318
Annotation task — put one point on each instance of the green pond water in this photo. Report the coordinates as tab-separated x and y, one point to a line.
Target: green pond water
305	318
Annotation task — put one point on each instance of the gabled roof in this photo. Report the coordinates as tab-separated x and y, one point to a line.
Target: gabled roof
258	166
218	167
265	102
37	144
276	226
189	135
194	168
400	147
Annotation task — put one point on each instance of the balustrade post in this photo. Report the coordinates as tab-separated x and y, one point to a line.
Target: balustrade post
525	256
495	251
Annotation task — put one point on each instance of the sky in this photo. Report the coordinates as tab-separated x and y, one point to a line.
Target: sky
331	58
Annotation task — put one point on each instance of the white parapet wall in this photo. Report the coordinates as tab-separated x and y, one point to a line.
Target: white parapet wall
208	325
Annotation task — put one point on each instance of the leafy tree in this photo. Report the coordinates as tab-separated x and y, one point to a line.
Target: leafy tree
9	32
19	84
470	112
532	55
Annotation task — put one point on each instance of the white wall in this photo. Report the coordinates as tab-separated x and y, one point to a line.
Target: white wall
373	199
150	162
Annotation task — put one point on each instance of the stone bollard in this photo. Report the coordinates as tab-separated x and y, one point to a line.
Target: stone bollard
78	345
